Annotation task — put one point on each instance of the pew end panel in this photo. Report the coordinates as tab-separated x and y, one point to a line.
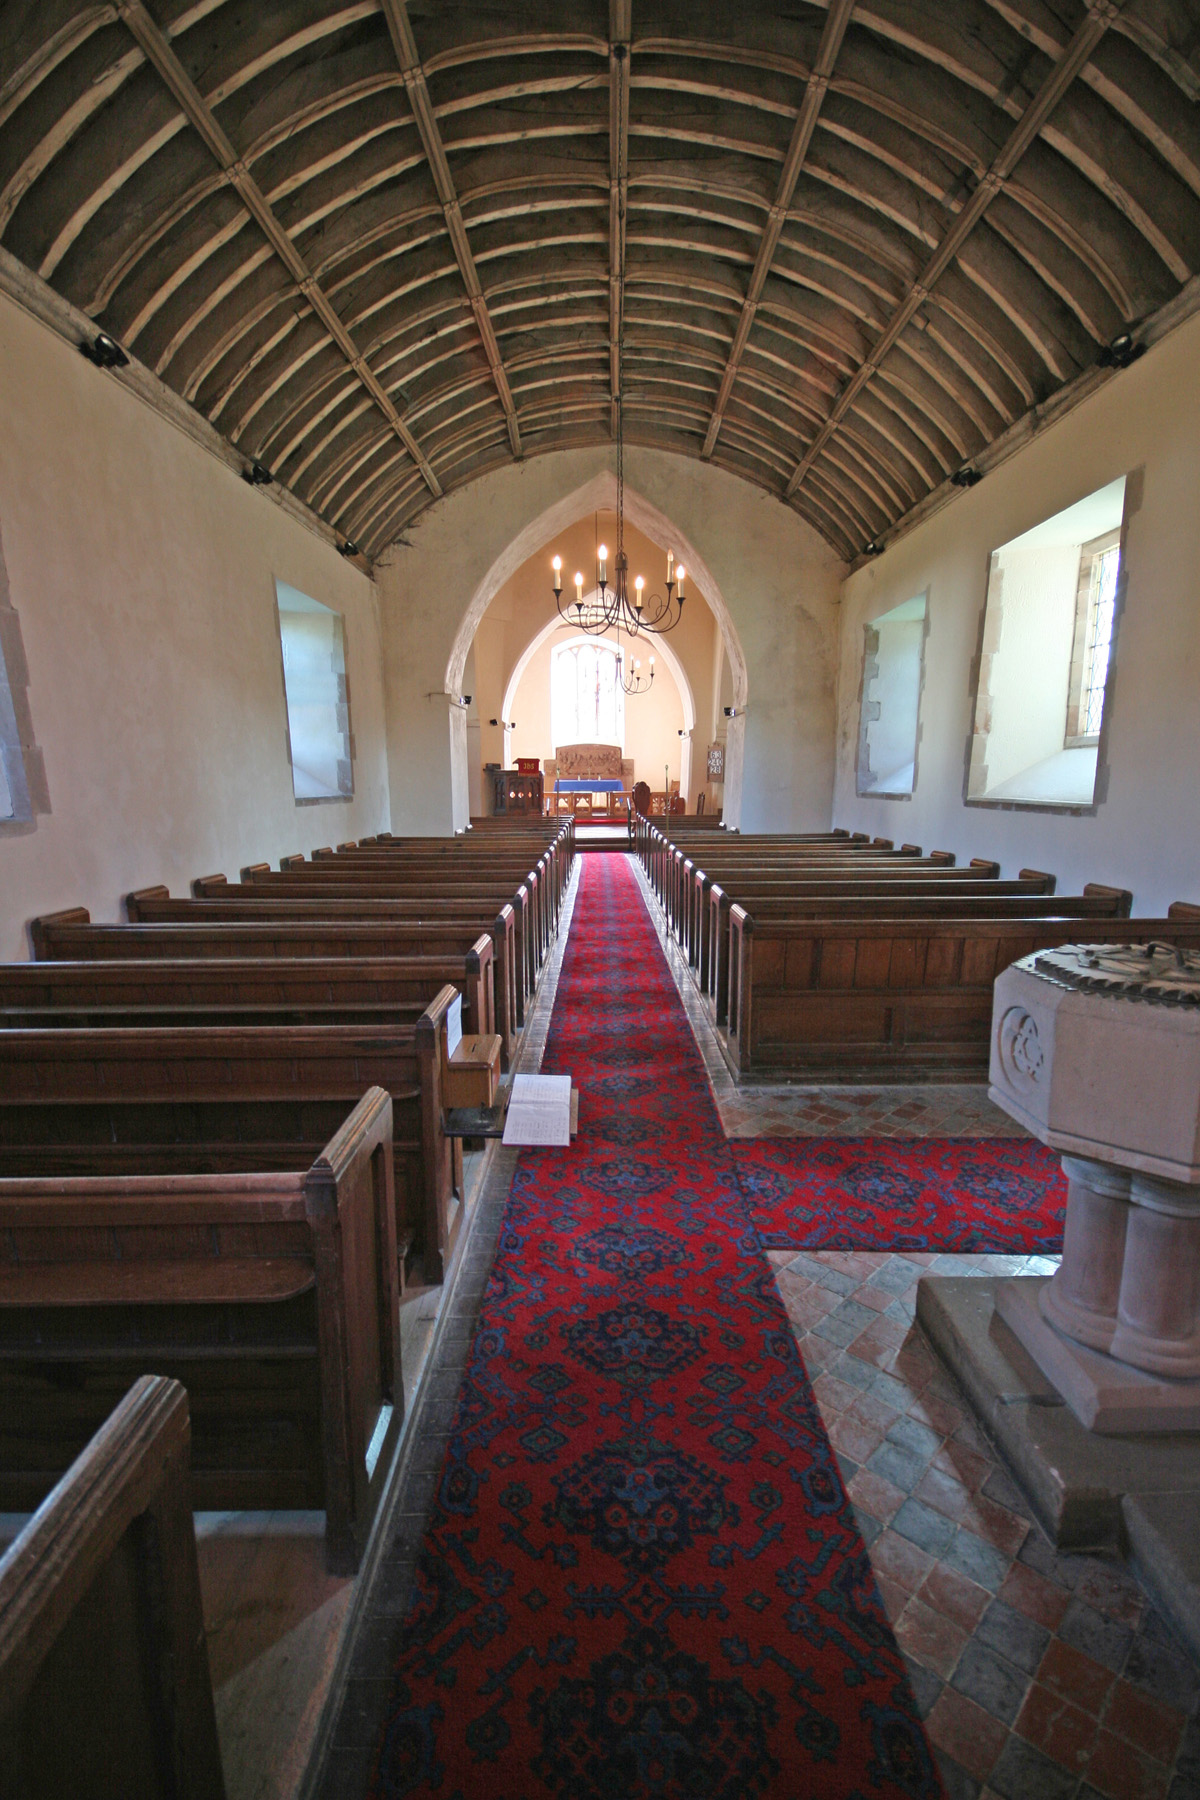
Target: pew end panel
274	1296
444	1208
1122	898
351	1206
139	898
42	928
105	1686
862	1000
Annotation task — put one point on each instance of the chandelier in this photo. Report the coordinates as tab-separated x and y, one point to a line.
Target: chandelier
612	607
631	677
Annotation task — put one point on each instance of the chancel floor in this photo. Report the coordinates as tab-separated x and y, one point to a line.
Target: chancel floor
1037	1674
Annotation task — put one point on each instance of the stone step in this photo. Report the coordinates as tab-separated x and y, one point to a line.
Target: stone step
1163	1541
1074	1479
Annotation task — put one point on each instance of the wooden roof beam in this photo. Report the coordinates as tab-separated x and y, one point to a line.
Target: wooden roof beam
199	114
836	20
417	89
1100	15
620	27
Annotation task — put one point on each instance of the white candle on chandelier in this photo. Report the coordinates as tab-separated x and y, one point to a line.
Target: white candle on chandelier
578	588
602	555
556	565
639	584
652	665
680	573
670	566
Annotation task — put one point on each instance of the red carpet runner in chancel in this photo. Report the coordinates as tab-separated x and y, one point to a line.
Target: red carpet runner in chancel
641	1577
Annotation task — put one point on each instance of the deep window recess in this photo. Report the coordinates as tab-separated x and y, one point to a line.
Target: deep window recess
1049	643
1095	612
320	745
889	724
23	790
587	701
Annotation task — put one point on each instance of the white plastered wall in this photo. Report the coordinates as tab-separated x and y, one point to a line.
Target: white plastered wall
143	572
1143	832
771	581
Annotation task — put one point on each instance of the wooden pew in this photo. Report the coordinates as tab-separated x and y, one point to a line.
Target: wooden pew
557	845
274	1296
212	1087
381	862
889	999
471	892
71	936
942	889
105	1686
156	906
916	875
1096	902
314	989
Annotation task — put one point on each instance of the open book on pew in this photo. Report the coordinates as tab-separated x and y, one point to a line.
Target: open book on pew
539	1110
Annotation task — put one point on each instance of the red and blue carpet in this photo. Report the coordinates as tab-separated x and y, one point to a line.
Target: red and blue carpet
641	1577
971	1195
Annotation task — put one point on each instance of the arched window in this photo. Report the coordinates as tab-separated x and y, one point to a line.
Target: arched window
587	701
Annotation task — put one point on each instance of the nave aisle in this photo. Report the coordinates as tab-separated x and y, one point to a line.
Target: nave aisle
643	1568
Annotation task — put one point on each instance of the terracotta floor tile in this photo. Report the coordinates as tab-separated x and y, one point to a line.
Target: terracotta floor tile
904	1563
944	1492
882	1499
1146	1722
807	1309
1061	1731
1075	1676
873	1410
869	1349
995	1524
833	1396
817	1352
916	1357
1113	1591
965	1732
958	1459
876	1298
892	1333
860	1263
851	1436
894	1597
1031	1594
930	1639
961	1600
1123	1773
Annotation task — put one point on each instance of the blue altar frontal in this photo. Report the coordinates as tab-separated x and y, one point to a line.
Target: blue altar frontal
588	787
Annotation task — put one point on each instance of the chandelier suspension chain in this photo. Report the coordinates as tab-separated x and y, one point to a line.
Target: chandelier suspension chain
612	610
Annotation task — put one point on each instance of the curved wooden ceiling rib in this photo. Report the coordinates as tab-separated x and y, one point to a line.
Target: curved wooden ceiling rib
380	246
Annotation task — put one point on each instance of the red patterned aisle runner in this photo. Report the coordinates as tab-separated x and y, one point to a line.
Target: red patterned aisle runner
641	1576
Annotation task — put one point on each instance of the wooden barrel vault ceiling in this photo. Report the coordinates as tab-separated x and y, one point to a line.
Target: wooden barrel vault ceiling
385	248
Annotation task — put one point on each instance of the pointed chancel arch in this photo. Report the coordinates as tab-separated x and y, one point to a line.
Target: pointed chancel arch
596	495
